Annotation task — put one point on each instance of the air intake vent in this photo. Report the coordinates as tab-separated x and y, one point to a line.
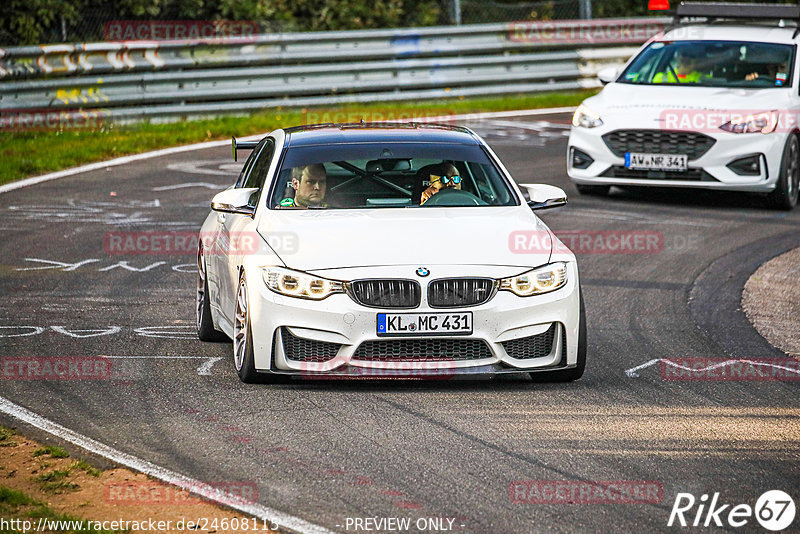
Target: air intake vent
415	350
533	346
299	349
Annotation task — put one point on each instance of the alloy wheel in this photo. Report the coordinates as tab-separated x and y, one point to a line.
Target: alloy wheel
240	326
201	287
793	170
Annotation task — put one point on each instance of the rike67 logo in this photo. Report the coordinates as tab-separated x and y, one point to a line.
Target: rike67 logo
774	510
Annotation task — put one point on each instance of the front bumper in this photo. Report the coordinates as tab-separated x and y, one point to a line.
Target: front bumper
341	323
709	171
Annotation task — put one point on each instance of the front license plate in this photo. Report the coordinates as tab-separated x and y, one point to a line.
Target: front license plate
397	324
659	162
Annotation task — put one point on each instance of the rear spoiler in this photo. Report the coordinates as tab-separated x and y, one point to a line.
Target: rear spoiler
242	145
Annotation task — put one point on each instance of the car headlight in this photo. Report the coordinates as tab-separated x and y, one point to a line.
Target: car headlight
586	117
299	284
537	281
764	122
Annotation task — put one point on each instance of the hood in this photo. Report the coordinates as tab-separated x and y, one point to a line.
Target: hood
330	239
646	104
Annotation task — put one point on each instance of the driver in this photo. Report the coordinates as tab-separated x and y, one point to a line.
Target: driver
442	176
685	71
309	183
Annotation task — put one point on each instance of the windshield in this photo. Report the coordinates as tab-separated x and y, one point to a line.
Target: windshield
389	175
712	63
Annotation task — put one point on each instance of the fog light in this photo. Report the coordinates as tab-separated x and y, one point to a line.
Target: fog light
747	166
580	159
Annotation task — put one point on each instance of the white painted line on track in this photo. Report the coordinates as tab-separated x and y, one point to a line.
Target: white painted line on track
205	369
207	491
633	371
536	127
213	144
192	184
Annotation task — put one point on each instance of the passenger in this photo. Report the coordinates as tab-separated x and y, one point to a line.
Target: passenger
309	183
687	63
775	73
442	176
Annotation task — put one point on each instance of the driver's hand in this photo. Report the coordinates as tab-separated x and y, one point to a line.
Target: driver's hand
428	193
752	76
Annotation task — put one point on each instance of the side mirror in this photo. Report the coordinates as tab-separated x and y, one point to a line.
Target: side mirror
235	201
543	196
607	75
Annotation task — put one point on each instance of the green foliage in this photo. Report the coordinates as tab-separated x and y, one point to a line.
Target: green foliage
81	464
24	22
56	481
53	451
624	9
27	21
11	497
16	504
6	435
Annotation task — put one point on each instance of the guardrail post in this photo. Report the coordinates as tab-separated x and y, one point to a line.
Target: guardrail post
585	7
455	12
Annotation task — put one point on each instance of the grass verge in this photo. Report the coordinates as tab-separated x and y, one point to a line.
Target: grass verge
31	153
19	506
44	483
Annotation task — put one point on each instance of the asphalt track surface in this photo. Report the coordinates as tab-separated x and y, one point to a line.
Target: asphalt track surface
326	451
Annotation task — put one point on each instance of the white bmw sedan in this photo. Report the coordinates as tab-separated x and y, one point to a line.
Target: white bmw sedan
700	106
387	250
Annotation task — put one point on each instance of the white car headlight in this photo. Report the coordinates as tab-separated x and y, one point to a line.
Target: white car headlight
764	122
586	118
538	281
299	284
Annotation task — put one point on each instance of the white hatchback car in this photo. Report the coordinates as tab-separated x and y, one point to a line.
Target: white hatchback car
387	250
702	105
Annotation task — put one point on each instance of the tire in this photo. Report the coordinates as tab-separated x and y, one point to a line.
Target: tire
205	323
243	352
784	197
597	190
573	373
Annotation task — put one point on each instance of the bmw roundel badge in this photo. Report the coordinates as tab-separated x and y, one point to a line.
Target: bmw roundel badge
422	271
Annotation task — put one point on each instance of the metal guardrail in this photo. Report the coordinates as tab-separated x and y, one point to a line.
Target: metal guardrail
126	81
